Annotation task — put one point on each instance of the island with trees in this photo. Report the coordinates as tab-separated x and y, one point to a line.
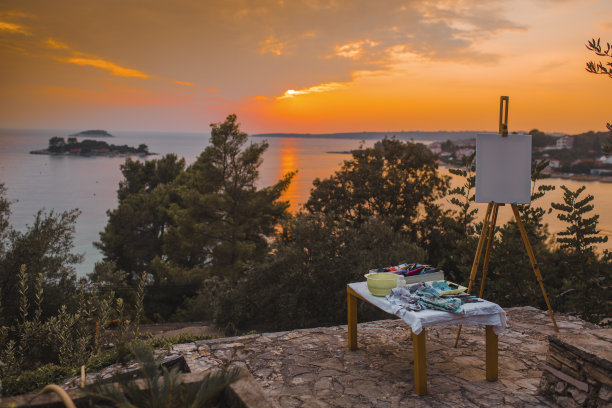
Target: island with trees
72	147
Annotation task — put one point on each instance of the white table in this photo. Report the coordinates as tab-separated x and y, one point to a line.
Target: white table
483	313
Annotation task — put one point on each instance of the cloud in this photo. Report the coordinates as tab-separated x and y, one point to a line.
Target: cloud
273	45
184	83
353	50
330	86
107	65
51	43
13	28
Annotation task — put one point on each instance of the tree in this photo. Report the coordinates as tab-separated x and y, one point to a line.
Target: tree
393	180
45	247
134	234
180	225
221	219
583	278
601	69
581	233
5	213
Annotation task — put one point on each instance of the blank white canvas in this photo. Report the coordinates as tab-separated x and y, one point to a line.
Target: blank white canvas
503	168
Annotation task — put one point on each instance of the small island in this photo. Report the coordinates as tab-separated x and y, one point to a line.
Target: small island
93	133
58	146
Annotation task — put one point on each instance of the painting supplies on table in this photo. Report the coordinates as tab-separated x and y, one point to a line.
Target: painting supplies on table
413	272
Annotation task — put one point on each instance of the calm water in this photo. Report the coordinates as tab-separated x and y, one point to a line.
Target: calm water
90	184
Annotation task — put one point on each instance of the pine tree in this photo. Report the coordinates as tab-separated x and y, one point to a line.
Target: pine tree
581	233
221	219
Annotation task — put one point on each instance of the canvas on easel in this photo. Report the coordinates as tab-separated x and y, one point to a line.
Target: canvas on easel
503	168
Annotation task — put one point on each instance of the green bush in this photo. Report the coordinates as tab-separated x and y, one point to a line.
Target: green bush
32	380
165	342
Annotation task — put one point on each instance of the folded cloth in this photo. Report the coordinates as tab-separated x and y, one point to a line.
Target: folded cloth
422	296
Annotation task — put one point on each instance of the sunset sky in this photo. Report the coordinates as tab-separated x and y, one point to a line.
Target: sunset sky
302	66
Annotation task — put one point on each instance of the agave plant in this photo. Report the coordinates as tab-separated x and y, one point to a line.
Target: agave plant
163	387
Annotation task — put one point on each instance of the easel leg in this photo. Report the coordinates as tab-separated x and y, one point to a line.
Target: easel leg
420	363
351	303
483	234
491	354
481	240
534	264
485	265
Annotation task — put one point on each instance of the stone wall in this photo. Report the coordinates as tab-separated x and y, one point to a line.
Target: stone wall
578	369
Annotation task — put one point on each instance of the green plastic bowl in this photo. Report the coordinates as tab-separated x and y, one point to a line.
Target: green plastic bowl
380	284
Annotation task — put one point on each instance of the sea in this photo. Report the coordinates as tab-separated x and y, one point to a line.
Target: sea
61	183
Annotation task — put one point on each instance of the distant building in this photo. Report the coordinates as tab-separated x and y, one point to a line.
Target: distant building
436	148
605	160
464	151
565	142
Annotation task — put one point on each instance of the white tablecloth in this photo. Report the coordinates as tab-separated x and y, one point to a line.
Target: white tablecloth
481	313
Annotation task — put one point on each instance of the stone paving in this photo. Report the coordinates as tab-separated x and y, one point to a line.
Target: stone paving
314	368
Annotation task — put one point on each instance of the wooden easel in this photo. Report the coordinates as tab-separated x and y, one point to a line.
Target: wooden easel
488	228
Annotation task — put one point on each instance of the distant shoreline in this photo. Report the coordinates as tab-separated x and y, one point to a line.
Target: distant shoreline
403	135
575	177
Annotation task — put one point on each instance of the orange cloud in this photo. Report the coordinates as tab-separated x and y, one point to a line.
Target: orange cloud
184	83
212	90
107	65
51	43
274	46
13	28
353	50
330	86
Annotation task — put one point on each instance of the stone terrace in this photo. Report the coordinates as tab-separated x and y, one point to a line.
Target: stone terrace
314	368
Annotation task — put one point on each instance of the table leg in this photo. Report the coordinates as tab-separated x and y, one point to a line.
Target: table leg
491	354
420	363
351	303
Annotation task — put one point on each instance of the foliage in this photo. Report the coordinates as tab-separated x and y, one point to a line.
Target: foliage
303	282
135	231
164	388
599	67
607	148
89	147
464	196
165	342
583	287
30	380
179	225
584	278
449	235
541	139
581	233
46	247
393	180
603	69
221	219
